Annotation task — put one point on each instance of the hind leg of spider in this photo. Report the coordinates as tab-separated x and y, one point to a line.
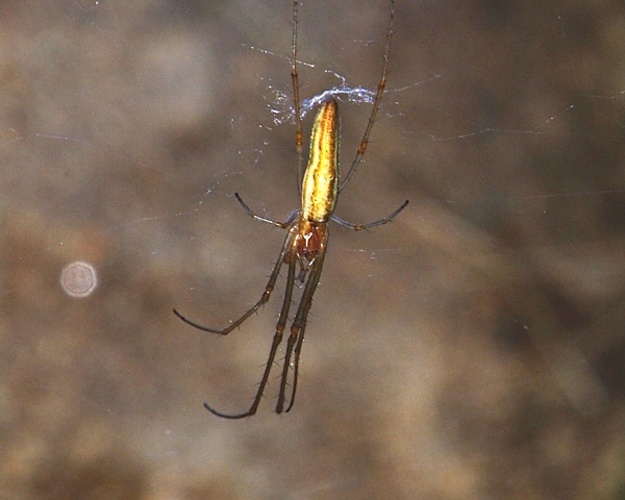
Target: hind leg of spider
299	140
290	260
364	142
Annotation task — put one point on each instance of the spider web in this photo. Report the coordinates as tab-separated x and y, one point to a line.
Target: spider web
486	322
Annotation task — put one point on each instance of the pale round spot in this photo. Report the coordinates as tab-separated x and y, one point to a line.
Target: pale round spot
79	279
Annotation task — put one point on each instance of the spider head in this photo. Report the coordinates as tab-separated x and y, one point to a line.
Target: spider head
310	239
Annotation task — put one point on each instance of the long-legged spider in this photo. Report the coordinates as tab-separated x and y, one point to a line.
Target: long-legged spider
304	247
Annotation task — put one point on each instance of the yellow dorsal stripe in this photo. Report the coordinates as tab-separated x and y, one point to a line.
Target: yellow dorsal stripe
321	179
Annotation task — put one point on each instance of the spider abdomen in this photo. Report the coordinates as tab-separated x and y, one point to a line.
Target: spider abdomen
321	180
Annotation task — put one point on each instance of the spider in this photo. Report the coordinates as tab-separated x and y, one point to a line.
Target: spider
304	248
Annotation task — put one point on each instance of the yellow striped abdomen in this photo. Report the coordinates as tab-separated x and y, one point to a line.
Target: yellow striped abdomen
321	179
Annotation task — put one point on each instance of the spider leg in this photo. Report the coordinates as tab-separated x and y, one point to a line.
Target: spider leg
296	102
376	102
260	218
263	299
369	225
291	260
298	327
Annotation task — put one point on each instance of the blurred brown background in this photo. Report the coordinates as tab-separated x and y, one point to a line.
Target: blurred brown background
475	348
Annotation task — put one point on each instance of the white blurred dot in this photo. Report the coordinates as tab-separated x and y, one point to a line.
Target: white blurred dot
79	279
